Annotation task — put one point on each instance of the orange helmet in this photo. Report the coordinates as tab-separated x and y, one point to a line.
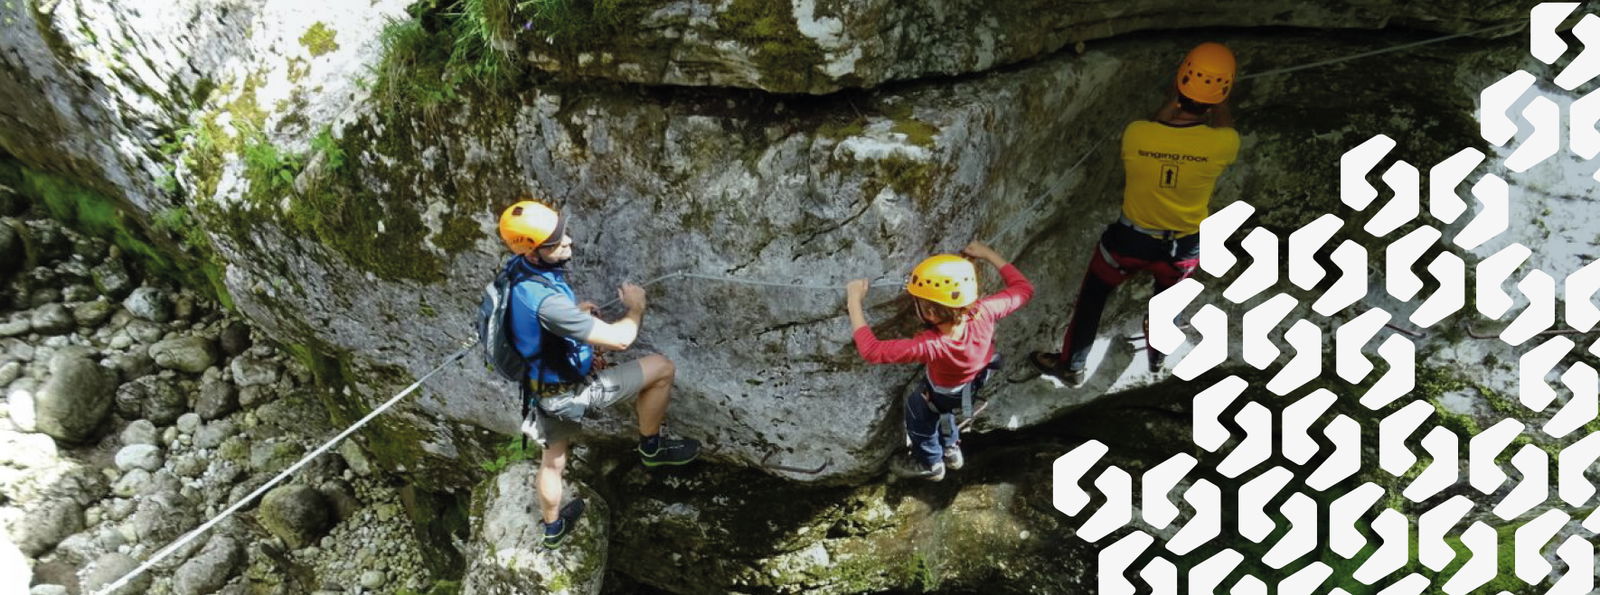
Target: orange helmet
945	279
528	225
1206	75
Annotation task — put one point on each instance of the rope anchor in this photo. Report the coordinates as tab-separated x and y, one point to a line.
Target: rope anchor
802	470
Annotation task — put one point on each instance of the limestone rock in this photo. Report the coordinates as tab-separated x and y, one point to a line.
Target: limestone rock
49	523
18	326
112	279
139	456
141	431
149	303
253	371
106	569
92	313
155	398
75	400
818	47
297	514
506	552
192	354
53	319
210	569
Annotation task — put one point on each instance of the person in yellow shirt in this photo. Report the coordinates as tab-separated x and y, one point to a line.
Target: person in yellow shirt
1171	164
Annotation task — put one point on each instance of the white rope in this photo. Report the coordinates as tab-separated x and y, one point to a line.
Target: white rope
167	551
1396	48
198	531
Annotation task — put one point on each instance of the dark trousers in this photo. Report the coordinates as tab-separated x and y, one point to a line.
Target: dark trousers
931	420
1121	253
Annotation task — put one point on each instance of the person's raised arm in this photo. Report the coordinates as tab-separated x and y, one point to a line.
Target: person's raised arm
854	293
619	335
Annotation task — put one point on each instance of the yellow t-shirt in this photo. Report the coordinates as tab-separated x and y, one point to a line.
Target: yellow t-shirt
1171	172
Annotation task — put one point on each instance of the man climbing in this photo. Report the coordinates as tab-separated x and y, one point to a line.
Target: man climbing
558	338
957	348
1171	165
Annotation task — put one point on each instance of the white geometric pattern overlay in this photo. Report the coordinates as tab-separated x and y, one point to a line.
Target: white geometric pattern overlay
1296	463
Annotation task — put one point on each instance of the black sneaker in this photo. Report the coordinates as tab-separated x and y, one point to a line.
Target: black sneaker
569	521
672	451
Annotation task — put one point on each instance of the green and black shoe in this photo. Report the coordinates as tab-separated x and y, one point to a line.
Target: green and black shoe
566	523
670	451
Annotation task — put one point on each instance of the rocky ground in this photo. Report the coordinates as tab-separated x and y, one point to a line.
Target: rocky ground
134	412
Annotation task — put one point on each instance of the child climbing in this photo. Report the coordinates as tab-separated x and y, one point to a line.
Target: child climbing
957	348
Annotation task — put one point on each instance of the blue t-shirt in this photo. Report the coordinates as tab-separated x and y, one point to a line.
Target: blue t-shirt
536	309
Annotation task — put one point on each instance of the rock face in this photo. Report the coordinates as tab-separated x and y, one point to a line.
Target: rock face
71	405
352	220
769	188
820	46
507	541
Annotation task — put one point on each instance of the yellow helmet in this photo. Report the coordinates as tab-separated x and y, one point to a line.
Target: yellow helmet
1206	75
528	225
945	279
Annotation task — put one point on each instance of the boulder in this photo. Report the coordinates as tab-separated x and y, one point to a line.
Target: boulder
52	319
249	370
505	553
139	456
192	354
217	399
48	523
149	303
155	398
209	570
297	514
141	431
108	568
111	278
93	313
75	400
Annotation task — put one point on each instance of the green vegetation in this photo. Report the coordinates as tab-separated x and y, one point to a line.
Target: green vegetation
319	39
98	215
447	46
917	132
786	59
512	452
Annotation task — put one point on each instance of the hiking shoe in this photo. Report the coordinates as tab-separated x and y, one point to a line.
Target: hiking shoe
672	451
905	466
1049	364
1075	377
953	459
568	518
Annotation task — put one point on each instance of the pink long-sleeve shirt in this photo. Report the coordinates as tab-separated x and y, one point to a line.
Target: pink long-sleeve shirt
952	362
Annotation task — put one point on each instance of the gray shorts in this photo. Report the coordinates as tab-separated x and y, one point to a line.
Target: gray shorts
612	385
